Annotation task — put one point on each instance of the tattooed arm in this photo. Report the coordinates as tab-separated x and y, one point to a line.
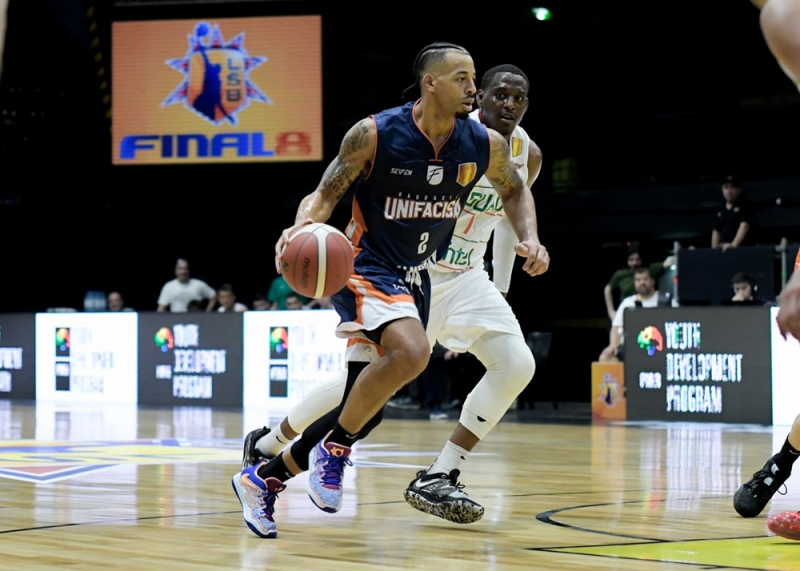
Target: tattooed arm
355	157
518	205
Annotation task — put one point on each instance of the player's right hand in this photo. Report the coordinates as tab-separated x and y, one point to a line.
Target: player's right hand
283	240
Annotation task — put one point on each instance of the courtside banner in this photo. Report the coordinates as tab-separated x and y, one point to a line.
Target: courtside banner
86	357
190	358
707	364
17	356
217	91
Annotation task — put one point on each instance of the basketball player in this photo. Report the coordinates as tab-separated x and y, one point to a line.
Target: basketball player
481	322
413	167
751	498
780	24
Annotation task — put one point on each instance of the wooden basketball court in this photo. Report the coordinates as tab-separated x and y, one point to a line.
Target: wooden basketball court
88	487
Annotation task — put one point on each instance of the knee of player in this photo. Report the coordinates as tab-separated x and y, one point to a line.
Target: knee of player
521	367
412	359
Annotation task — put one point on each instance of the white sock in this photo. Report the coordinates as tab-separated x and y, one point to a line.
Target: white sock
273	443
449	459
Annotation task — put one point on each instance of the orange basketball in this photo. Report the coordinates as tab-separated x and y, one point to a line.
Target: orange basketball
317	261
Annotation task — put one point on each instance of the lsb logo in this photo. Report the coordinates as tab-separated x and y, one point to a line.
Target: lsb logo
216	82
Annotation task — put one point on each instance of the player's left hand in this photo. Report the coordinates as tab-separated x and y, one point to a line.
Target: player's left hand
538	260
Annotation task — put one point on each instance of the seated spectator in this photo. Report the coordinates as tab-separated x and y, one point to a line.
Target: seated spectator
227	300
321	303
115	302
646	296
744	291
294	301
260	302
278	292
621	283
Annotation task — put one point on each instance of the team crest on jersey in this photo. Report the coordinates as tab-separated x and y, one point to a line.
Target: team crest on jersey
435	174
466	173
516	146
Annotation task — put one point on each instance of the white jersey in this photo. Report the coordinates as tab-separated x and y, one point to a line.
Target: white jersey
482	212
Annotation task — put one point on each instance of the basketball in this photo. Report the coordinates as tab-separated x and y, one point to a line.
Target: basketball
317	261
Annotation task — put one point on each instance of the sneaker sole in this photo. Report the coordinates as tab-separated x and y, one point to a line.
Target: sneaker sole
746	511
254	528
321	505
456	512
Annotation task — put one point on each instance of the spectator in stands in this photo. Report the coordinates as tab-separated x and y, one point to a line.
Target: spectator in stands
176	294
321	303
260	302
294	301
733	224
278	291
646	296
227	300
115	302
621	284
744	291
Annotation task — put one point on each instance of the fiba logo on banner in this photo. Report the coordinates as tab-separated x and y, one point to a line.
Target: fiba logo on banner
216	84
192	369
279	364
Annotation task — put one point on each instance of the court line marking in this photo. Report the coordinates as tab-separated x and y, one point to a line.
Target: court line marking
546	517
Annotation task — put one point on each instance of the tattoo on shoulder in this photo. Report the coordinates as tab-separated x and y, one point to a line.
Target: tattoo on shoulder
357	138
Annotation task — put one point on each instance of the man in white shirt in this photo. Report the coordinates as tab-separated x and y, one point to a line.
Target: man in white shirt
176	294
227	300
645	296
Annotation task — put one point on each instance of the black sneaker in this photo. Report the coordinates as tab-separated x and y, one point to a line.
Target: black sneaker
252	455
751	498
442	495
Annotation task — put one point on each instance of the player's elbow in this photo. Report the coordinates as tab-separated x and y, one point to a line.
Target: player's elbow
779	22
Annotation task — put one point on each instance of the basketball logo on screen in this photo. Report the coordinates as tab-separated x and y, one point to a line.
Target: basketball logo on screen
216	84
278	343
651	340
164	339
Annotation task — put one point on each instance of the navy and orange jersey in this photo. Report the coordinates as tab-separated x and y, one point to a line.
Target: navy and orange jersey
405	208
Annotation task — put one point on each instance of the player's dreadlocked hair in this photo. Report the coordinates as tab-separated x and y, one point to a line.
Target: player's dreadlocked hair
431	53
505	68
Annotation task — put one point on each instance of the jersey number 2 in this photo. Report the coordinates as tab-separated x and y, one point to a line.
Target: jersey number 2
423	243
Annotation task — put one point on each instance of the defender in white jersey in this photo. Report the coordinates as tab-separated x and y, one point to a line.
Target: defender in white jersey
468	313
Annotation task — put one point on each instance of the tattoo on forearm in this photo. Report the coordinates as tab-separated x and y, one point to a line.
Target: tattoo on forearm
343	170
505	175
338	177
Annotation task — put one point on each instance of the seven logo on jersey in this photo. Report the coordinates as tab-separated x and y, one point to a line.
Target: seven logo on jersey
466	173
